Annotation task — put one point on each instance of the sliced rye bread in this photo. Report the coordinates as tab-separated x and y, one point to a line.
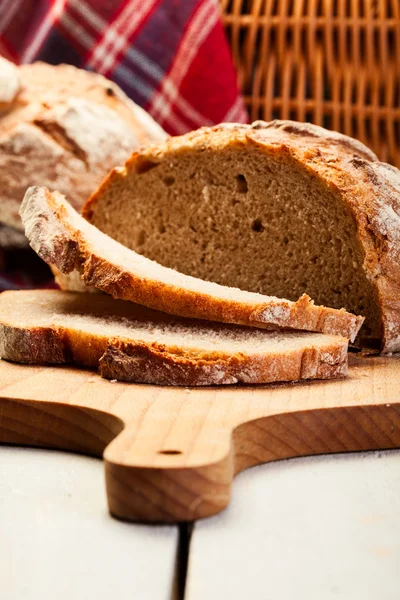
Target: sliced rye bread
131	343
279	208
61	237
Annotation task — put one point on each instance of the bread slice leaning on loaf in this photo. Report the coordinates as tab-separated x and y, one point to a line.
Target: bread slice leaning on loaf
279	208
61	237
131	343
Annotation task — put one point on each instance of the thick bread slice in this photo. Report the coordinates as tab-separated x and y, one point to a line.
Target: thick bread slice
279	208
65	128
132	343
63	238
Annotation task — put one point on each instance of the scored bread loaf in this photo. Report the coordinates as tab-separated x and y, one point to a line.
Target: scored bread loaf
61	237
279	208
10	83
132	343
65	128
71	282
12	239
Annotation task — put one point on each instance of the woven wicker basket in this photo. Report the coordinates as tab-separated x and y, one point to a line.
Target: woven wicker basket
335	63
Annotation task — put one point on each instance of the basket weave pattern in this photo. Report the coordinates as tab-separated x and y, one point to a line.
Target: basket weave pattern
335	63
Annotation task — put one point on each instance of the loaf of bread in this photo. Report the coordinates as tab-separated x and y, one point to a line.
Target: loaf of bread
132	343
278	208
63	238
65	128
10	83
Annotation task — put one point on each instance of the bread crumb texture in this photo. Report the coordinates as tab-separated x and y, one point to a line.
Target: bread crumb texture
279	208
64	239
128	342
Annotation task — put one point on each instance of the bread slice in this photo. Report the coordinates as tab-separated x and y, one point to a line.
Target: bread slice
65	128
279	208
131	343
63	238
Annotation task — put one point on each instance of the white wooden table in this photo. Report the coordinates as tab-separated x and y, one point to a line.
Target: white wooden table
58	542
314	528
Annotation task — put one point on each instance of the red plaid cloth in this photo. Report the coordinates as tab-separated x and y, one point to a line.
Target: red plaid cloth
169	56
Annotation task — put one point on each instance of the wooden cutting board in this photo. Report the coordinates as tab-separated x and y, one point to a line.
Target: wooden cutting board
171	454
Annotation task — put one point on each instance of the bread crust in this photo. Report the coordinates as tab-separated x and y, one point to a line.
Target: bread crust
64	239
370	189
40	341
34	345
154	364
63	127
10	83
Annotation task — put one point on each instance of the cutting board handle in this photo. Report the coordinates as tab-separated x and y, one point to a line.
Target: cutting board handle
153	472
171	453
165	486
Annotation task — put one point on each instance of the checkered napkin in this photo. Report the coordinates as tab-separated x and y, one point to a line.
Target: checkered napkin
170	56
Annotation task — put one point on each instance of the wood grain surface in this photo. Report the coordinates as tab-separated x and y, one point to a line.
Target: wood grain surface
171	453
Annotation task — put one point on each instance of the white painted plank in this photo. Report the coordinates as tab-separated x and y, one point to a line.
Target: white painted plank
310	529
57	540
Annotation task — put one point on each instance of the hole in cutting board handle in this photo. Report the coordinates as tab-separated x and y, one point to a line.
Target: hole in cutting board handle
170	452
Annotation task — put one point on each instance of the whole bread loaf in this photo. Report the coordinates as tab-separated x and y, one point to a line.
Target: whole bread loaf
278	208
10	83
63	238
132	343
65	128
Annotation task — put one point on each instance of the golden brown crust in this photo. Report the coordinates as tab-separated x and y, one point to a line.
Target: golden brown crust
369	188
57	335
34	345
154	364
65	128
62	238
55	82
10	84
